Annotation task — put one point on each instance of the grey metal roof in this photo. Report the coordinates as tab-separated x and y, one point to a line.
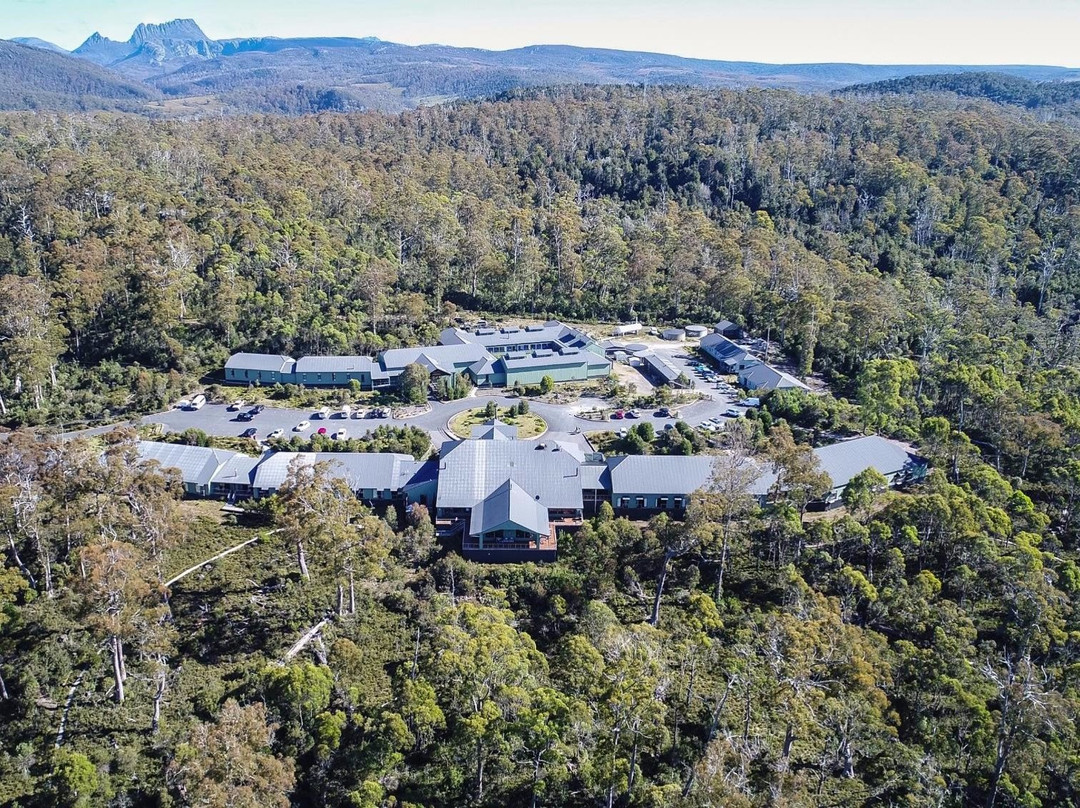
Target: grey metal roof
196	464
336	364
379	471
659	474
509	503
722	348
441	357
265	362
595	476
547	359
509	336
661	366
766	377
470	469
237	470
494	429
842	461
417	472
724	325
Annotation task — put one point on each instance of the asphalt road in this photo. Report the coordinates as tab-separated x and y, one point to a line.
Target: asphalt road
216	419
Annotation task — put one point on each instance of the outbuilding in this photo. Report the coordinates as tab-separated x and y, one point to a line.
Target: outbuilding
696	331
673	334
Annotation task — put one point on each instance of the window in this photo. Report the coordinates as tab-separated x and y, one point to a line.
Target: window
641	502
678	503
624	502
661	503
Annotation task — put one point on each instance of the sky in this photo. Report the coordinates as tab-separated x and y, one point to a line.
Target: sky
871	31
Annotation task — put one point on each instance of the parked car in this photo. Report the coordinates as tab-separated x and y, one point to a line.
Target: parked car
378	412
183	404
258	408
237	405
244	416
663	412
633	414
345	410
618	415
323	413
624	432
732	412
322	430
277	433
358	413
198	402
250	432
341	434
300	427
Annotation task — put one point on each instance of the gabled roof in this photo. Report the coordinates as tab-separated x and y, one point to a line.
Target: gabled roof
659	474
668	371
470	469
494	429
264	362
550	332
336	364
197	464
379	471
722	348
435	357
509	504
766	377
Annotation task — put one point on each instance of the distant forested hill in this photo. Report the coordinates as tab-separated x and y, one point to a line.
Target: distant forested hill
36	78
998	87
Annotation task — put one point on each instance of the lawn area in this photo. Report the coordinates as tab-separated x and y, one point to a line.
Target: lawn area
529	425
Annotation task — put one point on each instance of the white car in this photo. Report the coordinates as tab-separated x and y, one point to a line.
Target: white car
359	414
183	404
238	404
300	427
277	433
345	410
341	434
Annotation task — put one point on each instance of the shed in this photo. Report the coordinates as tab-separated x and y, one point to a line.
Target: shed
726	328
623	329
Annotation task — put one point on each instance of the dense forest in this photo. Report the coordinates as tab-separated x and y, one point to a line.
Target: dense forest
916	254
999	87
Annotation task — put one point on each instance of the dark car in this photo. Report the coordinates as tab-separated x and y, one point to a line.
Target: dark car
256	410
250	432
244	416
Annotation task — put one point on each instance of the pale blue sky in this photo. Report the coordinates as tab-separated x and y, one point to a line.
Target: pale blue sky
871	31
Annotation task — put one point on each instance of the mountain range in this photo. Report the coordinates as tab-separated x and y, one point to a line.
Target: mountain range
176	68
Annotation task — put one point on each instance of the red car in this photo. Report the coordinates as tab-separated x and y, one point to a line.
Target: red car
618	415
322	430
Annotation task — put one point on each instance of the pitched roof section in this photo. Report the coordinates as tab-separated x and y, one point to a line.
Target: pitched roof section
435	357
494	429
376	471
662	366
552	332
844	460
336	364
470	469
197	464
766	377
509	504
659	474
264	362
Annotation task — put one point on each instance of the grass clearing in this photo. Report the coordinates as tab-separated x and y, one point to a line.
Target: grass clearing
528	425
